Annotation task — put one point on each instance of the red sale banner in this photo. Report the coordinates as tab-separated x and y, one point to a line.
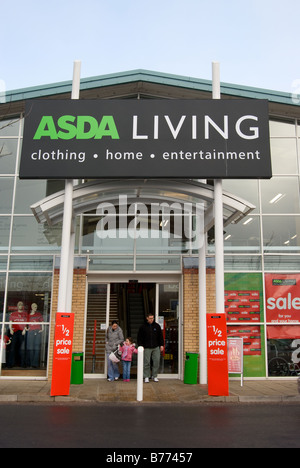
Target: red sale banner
251	337
62	355
242	306
217	358
282	298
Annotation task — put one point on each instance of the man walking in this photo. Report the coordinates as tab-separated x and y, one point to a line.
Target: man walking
151	338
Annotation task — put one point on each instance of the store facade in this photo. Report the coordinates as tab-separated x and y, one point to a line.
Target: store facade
154	267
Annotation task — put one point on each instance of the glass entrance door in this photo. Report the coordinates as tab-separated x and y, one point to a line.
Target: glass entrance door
96	325
168	318
129	303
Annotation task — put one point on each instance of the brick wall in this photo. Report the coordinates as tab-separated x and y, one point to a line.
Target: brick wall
191	306
78	308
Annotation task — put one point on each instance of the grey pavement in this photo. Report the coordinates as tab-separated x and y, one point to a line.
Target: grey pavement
166	391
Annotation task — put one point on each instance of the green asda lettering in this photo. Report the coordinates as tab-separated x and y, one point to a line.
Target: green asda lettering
82	127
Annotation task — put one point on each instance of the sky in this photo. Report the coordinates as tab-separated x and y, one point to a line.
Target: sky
256	42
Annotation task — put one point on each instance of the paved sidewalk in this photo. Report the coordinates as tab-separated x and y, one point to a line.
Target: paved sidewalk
166	391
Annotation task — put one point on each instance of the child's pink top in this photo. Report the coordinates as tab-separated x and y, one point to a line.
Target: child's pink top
127	352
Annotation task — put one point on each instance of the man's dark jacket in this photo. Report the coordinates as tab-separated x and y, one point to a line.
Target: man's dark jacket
150	336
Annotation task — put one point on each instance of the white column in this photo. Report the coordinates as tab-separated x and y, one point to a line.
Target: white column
71	268
67	254
140	372
219	224
63	301
219	248
202	311
216	86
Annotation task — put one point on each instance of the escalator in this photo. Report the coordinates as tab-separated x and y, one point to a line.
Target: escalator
140	301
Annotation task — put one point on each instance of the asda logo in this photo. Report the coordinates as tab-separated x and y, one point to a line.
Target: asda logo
82	127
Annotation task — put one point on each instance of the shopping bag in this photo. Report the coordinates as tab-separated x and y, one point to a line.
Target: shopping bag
115	356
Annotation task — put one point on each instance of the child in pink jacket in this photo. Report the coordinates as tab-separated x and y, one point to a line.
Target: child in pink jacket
127	350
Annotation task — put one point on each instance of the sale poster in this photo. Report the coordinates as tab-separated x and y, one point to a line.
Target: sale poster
242	306
235	355
62	354
282	298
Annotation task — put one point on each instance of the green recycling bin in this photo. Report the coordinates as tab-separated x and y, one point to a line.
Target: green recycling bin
191	368
77	369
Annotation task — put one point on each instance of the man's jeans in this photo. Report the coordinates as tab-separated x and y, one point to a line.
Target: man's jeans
153	353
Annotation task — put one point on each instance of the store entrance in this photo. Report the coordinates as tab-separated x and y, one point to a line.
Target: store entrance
129	303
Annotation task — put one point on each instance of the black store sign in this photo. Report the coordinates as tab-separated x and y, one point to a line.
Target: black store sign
195	139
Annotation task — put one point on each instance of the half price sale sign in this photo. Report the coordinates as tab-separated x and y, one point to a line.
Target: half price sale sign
217	355
62	354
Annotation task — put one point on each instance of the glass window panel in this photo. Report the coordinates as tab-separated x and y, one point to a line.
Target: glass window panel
161	245
242	262
166	233
26	319
281	233
254	348
6	194
246	189
158	263
280	128
111	263
106	235
280	195
26	355
3	262
4	233
29	192
29	236
244	236
29	288
282	354
284	156
2	289
8	155
34	263
10	127
282	262
244	297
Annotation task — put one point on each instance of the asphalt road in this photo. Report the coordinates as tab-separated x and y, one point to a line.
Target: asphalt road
154	426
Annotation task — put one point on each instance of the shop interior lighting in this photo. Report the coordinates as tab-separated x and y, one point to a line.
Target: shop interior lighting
276	199
288	241
164	223
248	221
